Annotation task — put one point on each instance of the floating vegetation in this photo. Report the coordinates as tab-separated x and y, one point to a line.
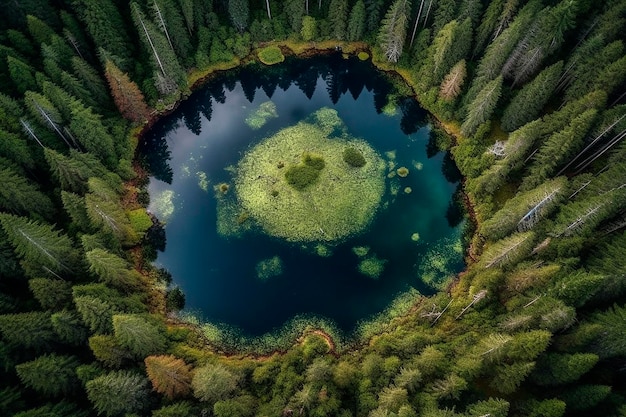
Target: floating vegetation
335	203
391	174
394	187
363	56
162	205
203	181
391	108
353	157
323	250
391	155
257	118
381	322
402	172
372	266
418	165
361	251
232	220
408	190
222	188
269	268
415	237
440	262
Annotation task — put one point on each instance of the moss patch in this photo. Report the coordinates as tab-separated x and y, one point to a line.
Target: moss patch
271	55
257	118
323	199
268	268
353	157
372	266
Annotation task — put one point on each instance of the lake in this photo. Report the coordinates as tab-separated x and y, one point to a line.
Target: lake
238	268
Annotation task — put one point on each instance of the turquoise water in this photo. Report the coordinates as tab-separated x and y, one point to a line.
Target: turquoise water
191	151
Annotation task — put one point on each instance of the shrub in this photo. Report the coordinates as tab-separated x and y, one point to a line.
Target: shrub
306	173
271	55
353	157
402	172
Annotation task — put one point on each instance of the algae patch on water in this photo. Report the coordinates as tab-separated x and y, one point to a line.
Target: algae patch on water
268	268
296	184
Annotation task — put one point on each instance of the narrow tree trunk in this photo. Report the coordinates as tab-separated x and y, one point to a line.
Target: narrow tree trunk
417	21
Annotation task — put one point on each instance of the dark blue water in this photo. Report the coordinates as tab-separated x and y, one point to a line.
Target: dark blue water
189	152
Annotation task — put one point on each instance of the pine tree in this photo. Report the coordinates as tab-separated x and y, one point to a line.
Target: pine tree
69	327
47	114
118	393
111	269
108	350
31	330
52	375
452	83
356	22
138	335
75	206
483	106
527	104
105	212
294	11
239	12
393	28
96	313
92	82
170	22
127	96
92	135
52	294
20	196
169	375
509	377
213	382
22	75
509	250
43	249
338	18
559	369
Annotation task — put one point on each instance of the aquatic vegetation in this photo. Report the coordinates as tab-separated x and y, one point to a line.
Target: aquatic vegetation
439	262
418	165
203	181
222	188
353	157
415	237
257	118
324	200
305	173
271	55
323	250
268	268
372	266
408	190
363	56
391	155
402	172
361	251
162	205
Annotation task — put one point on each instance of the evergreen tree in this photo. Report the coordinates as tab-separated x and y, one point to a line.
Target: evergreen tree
32	330
338	18
52	375
452	83
509	377
170	22
527	104
20	196
75	206
92	135
558	369
509	250
106	26
111	269
47	114
294	11
169	375
239	12
61	409
138	335
118	392
52	294
308	31
356	22
96	313
22	75
393	28
69	327
43	249
127	96
212	383
483	106
108	350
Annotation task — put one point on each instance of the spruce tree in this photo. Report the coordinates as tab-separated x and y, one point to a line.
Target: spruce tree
111	269
32	330
338	18
126	95
393	28
118	393
483	106
138	335
239	12
356	22
52	375
20	196
69	327
169	375
52	294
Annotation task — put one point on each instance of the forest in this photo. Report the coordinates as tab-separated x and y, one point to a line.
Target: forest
528	96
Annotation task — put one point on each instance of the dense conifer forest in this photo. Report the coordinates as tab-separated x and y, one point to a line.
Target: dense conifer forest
531	94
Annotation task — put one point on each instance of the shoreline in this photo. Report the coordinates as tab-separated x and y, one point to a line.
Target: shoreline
302	50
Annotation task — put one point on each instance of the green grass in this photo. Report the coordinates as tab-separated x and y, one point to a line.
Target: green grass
271	55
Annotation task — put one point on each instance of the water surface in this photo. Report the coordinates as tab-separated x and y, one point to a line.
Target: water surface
194	149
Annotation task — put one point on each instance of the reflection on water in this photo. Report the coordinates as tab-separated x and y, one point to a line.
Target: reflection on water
256	282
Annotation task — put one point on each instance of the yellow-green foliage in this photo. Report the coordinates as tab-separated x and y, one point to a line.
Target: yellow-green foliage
268	268
162	205
203	181
257	118
363	56
340	203
353	157
361	251
372	266
271	55
402	172
305	173
140	220
436	265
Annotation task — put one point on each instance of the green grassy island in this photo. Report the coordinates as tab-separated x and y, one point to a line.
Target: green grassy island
297	186
527	96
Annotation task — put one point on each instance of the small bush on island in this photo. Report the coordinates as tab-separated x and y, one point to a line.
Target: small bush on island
402	172
353	157
306	173
271	55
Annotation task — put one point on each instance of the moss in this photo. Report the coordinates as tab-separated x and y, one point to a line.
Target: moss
363	56
268	268
361	251
203	181
223	188
408	190
353	157
415	237
323	199
271	55
402	172
323	250
162	205
372	266
259	117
